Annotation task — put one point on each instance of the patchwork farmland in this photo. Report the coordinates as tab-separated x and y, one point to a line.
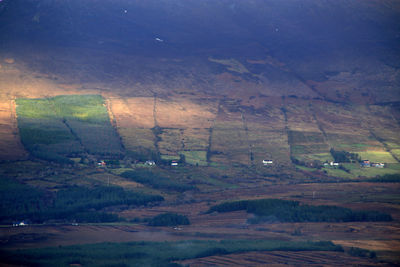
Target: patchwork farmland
174	133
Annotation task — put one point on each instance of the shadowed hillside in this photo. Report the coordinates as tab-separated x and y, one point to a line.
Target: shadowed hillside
199	132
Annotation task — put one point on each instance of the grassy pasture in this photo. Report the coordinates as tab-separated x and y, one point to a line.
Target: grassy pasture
396	152
196	157
66	126
338	173
356	140
377	156
357	170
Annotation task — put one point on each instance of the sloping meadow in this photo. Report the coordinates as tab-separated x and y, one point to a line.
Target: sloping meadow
66	126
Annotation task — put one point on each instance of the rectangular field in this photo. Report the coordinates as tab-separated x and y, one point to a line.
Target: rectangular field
67	126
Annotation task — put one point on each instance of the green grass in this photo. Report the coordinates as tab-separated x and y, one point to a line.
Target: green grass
393	166
337	172
66	126
196	157
358	171
372	172
303	168
80	107
152	253
377	156
396	152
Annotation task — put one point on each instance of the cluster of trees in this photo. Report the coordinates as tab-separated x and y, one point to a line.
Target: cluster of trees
17	200
169	219
387	178
292	211
344	156
47	155
314	164
80	204
155	180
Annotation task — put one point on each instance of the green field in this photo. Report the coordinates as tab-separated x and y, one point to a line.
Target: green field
377	156
67	126
196	157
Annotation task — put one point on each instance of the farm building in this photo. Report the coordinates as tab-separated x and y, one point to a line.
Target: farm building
334	163
378	165
174	163
22	223
366	163
101	163
267	162
150	163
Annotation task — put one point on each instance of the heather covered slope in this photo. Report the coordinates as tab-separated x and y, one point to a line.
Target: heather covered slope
335	51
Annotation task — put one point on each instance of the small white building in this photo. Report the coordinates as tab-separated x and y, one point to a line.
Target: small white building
150	162
174	163
22	223
101	163
334	163
378	165
267	162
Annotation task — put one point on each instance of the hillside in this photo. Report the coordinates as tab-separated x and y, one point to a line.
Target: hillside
253	101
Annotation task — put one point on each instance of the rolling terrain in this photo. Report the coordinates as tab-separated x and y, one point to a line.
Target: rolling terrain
155	108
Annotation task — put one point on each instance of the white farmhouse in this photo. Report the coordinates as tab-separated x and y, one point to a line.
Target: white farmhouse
267	162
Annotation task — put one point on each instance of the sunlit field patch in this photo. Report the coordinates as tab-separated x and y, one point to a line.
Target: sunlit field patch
67	126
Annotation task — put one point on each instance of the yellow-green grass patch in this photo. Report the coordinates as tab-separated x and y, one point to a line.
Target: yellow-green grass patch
393	166
337	172
372	171
377	156
357	170
396	152
303	168
353	142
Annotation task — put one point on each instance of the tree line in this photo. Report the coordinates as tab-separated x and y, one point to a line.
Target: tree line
293	211
79	204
